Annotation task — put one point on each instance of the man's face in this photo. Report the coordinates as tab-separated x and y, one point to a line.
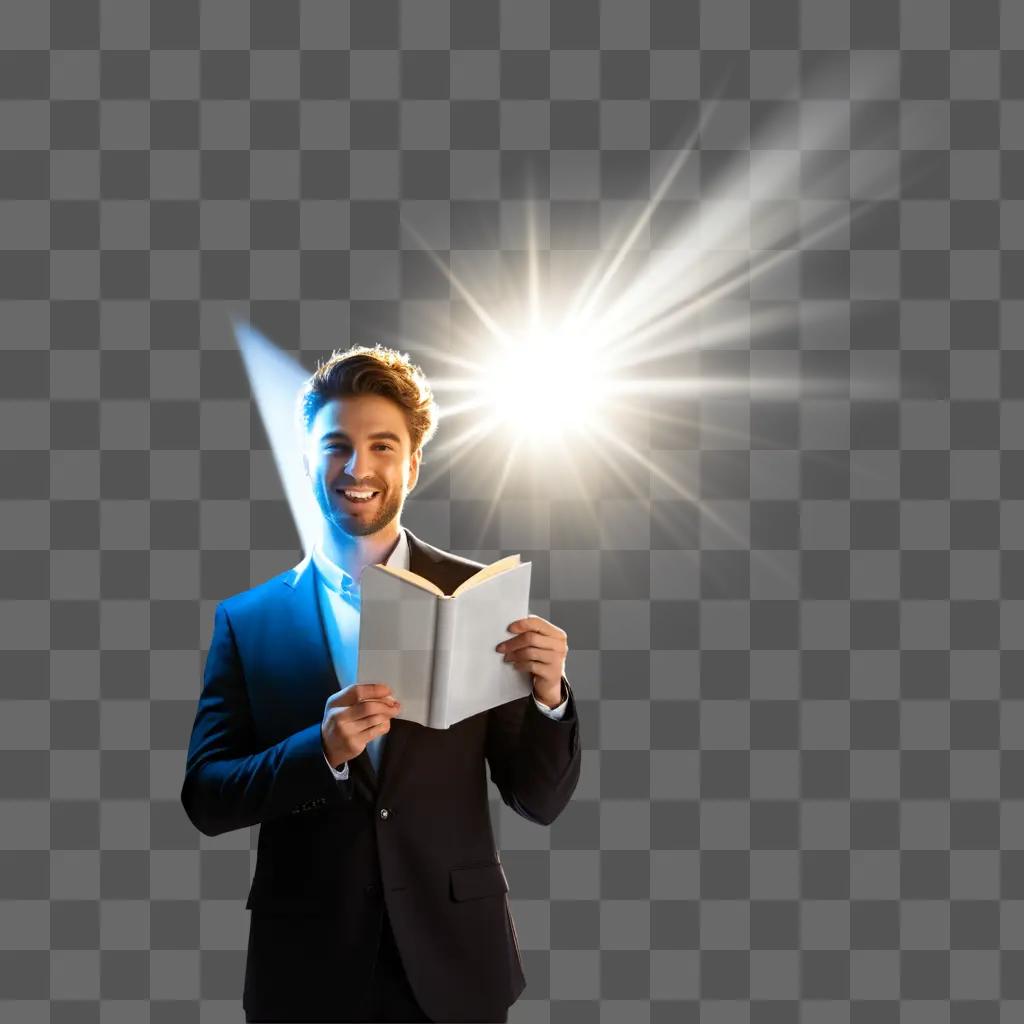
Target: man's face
360	442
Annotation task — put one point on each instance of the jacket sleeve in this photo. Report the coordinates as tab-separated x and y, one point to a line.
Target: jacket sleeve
229	784
534	759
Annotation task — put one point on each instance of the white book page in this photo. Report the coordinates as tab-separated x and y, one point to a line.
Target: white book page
480	678
396	640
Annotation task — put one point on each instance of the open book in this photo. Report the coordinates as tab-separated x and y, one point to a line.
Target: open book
435	651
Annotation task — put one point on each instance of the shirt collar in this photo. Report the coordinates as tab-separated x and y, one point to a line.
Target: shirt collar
340	581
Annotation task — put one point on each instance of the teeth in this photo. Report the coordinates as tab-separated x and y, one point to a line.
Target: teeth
359	495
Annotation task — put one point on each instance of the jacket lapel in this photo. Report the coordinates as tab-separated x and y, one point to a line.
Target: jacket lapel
427	562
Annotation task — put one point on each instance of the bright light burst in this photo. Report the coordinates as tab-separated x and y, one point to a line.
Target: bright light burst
584	352
576	361
545	382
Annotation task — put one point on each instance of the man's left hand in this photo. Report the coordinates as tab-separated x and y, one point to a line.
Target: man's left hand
539	648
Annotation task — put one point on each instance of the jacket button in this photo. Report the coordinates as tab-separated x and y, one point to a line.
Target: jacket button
384	812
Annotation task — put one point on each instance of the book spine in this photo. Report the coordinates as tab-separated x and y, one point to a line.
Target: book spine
444	634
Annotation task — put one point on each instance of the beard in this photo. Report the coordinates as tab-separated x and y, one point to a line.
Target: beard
333	510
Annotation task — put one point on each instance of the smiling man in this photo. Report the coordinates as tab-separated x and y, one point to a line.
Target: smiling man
379	894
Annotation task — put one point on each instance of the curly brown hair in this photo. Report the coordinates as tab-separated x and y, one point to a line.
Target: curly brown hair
360	370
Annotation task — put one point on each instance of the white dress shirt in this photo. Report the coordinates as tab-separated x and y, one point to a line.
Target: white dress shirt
339	599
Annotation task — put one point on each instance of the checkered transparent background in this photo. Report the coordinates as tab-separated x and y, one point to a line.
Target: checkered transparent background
802	794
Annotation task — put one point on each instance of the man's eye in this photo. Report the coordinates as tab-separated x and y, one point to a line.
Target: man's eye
344	447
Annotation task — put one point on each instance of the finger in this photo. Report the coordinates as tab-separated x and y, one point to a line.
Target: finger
386	707
371	722
343	698
368	708
530	639
537	623
367	691
532	667
371	725
536	655
531	622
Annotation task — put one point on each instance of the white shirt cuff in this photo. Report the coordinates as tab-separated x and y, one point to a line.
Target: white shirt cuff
555	713
341	776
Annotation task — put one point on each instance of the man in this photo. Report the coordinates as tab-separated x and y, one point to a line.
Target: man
378	892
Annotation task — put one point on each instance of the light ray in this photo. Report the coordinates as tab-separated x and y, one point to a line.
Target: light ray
275	378
593	295
534	270
485	318
506	469
681	491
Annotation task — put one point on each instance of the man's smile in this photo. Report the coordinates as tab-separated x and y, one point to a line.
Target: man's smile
358	495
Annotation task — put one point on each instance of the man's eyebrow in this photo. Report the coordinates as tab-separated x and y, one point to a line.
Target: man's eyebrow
340	435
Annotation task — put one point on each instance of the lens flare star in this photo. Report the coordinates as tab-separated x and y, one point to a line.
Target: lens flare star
560	353
583	352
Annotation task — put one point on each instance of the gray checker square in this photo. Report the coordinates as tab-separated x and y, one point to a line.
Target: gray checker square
802	682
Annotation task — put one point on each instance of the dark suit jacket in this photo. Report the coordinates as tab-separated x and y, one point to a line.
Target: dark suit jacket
331	853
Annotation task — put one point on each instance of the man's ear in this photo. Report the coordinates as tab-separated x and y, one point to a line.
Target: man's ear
414	467
305	465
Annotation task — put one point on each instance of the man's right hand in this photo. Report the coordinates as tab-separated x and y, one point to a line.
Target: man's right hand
353	717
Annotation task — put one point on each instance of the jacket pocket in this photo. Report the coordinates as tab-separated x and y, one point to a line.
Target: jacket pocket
471	883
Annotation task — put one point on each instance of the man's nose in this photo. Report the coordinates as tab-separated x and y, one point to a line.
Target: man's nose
356	461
